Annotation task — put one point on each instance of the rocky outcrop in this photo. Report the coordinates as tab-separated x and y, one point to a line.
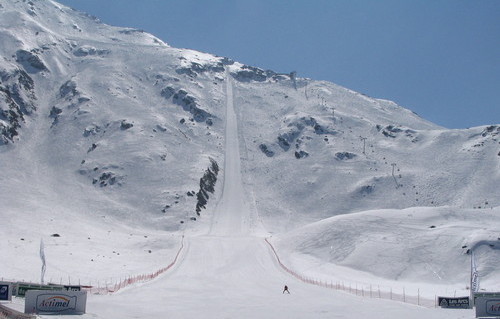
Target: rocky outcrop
195	69
85	51
264	149
249	73
393	131
31	62
342	156
188	104
296	128
207	186
301	154
17	99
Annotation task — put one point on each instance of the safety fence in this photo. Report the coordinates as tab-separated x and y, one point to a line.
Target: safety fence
363	290
122	283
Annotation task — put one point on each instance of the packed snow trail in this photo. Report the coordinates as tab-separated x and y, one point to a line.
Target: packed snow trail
232	215
231	273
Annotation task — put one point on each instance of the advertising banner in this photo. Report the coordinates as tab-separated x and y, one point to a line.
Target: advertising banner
454	302
56	302
22	288
5	291
488	305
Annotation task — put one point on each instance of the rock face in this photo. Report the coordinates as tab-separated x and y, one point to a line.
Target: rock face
30	61
187	102
207	185
17	99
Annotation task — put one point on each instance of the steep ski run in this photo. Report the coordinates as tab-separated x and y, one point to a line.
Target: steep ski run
231	272
232	215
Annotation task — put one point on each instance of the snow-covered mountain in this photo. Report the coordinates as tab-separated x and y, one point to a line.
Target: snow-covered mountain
109	132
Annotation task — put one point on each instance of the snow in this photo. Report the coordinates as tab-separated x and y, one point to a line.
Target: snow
343	220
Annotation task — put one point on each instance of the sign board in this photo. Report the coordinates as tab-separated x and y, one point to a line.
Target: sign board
5	291
487	305
22	288
56	302
454	302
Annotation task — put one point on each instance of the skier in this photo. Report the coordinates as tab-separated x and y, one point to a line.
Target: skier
286	289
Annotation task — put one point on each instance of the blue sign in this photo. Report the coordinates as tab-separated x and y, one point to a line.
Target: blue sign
5	291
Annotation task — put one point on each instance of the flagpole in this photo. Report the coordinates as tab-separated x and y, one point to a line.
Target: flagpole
471	270
474	277
42	257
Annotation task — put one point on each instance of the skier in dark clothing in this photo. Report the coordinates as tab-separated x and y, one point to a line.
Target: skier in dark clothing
286	289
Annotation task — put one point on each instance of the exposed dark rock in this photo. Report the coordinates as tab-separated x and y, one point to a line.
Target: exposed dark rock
54	113
131	31
366	190
301	154
393	131
190	105
30	61
17	99
283	142
91	130
492	130
266	150
207	185
167	92
344	155
92	147
105	179
68	89
125	125
196	68
90	51
164	210
250	73
296	127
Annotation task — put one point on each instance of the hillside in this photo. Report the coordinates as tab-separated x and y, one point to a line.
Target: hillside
114	144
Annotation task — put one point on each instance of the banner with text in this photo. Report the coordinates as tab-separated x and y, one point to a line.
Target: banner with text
454	302
487	305
60	303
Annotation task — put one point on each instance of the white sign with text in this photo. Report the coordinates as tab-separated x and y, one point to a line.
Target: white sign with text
55	302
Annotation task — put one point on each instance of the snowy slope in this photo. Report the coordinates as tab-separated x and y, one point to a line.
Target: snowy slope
120	144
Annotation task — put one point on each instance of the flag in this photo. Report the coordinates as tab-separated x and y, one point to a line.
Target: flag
474	276
42	257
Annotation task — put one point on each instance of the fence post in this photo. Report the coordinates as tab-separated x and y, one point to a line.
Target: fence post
404	295
391	293
370	291
418	297
379	292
